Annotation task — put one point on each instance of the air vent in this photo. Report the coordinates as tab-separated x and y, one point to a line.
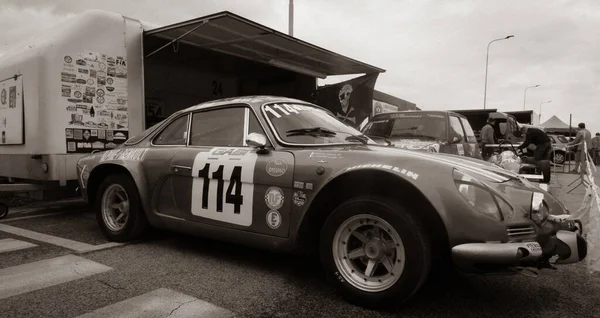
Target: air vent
519	232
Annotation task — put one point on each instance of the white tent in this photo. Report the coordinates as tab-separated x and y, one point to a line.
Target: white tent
554	122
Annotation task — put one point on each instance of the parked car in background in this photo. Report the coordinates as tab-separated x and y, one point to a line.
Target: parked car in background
560	153
431	131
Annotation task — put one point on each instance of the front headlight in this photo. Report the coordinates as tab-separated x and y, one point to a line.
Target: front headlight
539	208
480	197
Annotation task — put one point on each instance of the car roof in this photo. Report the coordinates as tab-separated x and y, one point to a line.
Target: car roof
254	101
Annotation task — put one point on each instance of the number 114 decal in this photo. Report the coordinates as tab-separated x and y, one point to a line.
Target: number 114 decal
223	186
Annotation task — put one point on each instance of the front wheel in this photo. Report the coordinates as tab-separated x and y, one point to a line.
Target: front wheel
375	252
119	212
3	211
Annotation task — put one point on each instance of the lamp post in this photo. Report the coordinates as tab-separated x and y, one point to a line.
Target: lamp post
525	97
487	56
540	115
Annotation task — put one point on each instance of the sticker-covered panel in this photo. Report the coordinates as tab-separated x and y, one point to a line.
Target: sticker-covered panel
11	111
94	92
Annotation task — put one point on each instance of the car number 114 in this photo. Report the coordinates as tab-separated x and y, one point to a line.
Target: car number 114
223	186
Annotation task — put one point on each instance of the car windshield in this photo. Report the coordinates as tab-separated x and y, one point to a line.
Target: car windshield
135	139
420	126
309	125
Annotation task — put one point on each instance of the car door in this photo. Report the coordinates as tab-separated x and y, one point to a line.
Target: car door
157	173
222	181
456	129
471	148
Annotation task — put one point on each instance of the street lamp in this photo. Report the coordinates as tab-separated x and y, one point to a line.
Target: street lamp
540	115
525	97
487	56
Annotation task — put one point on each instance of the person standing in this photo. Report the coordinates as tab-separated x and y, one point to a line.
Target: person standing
487	138
596	149
583	135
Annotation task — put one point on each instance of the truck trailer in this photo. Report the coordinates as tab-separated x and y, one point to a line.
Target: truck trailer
92	82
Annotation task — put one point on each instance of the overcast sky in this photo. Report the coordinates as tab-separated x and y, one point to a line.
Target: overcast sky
434	51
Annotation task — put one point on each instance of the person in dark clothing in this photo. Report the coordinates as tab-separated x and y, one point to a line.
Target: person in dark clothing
537	137
487	138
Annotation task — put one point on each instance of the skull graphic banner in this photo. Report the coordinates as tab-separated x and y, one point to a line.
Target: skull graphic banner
351	101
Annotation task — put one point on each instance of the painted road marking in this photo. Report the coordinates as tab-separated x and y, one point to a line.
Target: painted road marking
162	302
29	277
9	245
35	216
55	240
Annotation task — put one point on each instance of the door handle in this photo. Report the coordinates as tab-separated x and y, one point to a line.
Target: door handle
177	169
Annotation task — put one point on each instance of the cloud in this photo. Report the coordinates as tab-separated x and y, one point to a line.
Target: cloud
434	51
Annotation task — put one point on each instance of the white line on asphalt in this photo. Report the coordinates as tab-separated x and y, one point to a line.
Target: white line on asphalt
9	245
35	216
55	240
29	277
162	302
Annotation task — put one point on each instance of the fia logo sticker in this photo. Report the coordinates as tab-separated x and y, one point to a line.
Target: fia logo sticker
273	219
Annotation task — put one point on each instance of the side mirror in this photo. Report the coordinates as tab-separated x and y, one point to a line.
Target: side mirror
257	140
455	139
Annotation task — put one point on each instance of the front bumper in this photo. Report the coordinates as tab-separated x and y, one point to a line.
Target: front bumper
567	244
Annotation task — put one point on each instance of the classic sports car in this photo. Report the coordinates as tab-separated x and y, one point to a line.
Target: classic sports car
286	175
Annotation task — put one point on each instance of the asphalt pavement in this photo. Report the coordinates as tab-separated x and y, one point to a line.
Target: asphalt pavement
59	265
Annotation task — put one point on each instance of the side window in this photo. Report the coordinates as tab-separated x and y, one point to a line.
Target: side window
456	127
254	126
219	127
468	130
175	134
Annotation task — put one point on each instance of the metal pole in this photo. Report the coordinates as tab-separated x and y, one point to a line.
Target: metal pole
487	58
570	121
525	98
291	19
540	115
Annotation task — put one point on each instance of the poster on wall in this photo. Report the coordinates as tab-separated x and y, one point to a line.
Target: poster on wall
11	111
94	92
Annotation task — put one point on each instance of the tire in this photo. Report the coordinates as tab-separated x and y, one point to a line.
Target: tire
413	250
135	224
558	157
545	168
3	210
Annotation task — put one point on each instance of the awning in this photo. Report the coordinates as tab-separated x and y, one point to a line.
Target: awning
231	34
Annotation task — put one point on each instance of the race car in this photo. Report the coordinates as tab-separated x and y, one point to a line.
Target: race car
287	175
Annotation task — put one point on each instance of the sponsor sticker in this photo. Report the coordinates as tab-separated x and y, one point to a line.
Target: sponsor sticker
274	198
405	172
273	219
298	185
309	186
325	155
276	167
129	154
299	198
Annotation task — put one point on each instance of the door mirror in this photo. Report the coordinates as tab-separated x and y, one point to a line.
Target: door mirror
257	140
455	139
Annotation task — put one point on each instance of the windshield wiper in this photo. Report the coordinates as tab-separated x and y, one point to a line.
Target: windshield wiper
316	131
360	138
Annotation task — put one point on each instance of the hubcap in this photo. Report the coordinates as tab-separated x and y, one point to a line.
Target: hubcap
115	207
559	158
368	253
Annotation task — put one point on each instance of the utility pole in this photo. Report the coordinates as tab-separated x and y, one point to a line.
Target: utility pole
291	19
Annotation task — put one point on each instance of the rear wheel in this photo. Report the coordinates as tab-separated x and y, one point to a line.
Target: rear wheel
3	210
375	252
119	212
